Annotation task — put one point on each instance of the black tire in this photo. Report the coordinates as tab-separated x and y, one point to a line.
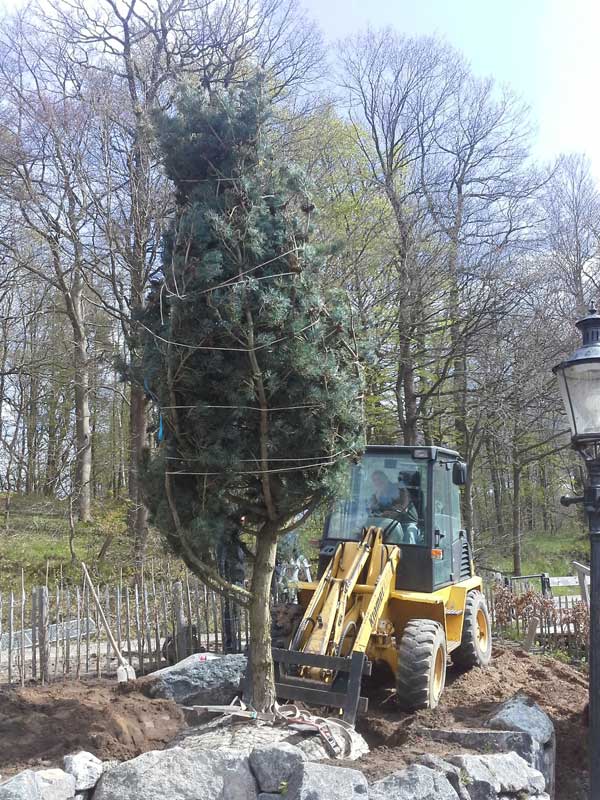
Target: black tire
421	665
475	649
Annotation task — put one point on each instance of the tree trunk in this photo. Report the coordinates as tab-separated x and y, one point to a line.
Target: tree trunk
83	442
138	515
467	499
545	498
516	516
31	417
497	489
406	395
52	452
262	680
31	426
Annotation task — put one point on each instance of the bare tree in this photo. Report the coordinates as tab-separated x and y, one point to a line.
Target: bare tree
391	82
478	188
132	57
47	138
571	203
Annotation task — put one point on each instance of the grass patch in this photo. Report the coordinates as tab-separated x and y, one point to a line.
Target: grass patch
551	553
37	541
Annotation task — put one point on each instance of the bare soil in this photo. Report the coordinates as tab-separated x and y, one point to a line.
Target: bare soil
467	702
38	725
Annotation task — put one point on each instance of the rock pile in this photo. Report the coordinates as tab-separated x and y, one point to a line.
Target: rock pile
276	772
513	758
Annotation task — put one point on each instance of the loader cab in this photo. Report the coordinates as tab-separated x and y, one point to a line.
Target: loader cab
413	494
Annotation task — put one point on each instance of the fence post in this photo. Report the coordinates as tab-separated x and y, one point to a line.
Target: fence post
22	643
34	634
78	648
545	583
530	635
43	631
11	633
582	573
180	638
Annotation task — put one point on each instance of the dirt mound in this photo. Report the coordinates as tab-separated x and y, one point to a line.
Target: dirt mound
38	725
468	700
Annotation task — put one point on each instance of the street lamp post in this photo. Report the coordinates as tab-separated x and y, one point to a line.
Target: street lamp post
579	383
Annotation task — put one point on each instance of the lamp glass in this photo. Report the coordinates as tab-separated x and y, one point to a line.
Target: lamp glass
579	385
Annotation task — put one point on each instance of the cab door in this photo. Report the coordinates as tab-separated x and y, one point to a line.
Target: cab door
443	524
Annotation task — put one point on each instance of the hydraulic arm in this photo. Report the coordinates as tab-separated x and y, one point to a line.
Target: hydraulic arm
338	622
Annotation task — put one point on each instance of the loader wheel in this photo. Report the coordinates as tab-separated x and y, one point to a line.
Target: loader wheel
475	649
421	665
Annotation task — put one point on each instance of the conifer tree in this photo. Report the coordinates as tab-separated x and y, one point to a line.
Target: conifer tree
251	358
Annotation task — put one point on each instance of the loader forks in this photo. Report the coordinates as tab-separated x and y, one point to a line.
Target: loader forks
332	638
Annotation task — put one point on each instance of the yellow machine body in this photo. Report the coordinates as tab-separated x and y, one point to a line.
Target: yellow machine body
378	610
403	591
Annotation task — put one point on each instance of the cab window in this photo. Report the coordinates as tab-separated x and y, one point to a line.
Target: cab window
389	492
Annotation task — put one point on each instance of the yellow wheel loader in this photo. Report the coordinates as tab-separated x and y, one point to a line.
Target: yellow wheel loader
396	584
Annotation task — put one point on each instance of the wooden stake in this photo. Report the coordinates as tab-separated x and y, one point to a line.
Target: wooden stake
22	627
44	634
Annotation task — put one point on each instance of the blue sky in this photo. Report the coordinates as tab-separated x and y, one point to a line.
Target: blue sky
547	50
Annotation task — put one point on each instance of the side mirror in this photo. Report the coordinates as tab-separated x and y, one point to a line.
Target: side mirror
459	473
